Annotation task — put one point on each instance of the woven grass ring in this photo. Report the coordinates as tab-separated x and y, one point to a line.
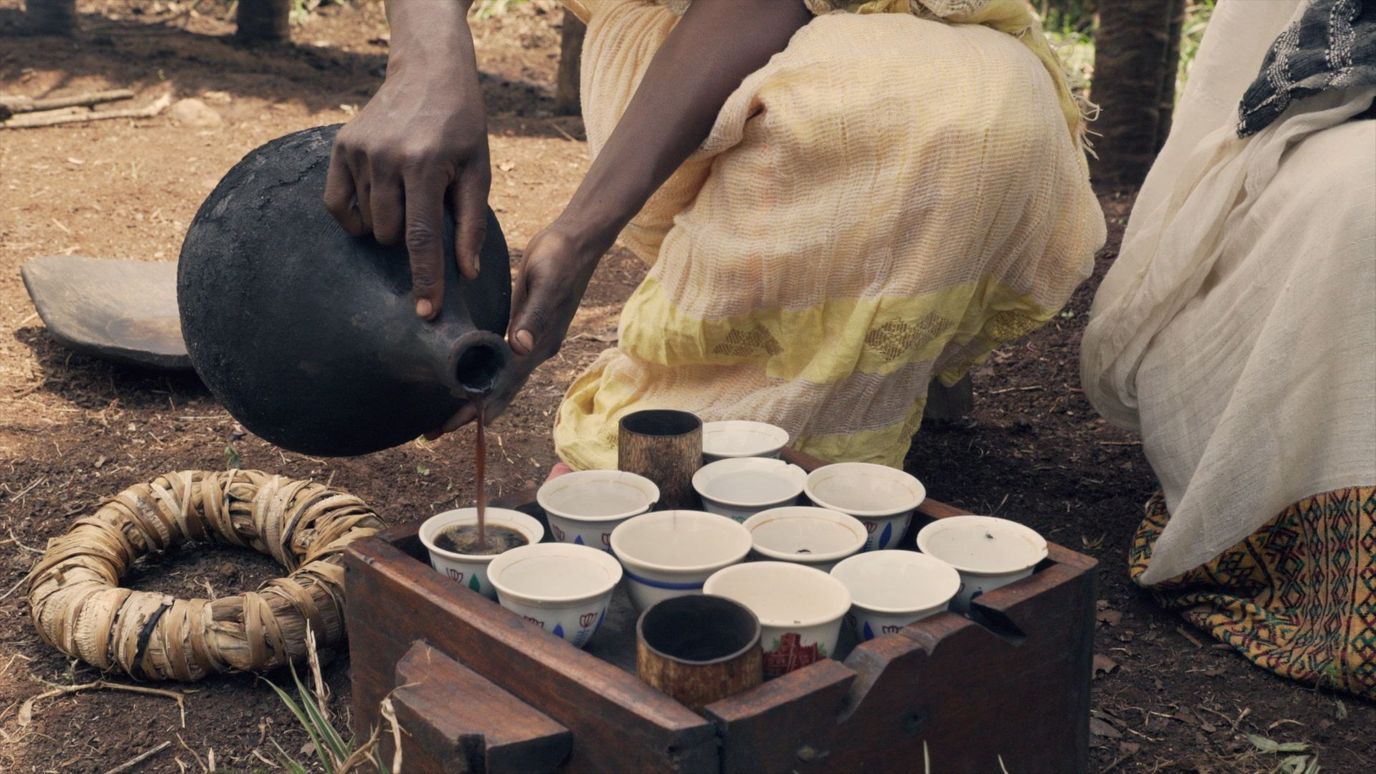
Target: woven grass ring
79	607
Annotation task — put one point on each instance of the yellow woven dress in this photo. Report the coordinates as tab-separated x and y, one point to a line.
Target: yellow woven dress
883	203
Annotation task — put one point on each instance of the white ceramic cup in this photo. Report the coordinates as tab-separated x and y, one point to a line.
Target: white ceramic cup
741	487
563	588
816	537
883	498
740	438
988	552
470	570
891	589
671	553
800	609
584	507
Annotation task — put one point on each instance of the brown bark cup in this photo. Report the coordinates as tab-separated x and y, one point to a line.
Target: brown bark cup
664	446
699	649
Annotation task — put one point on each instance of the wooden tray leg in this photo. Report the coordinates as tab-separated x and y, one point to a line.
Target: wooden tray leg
454	720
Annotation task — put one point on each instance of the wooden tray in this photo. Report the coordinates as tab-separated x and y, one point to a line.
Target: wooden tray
477	688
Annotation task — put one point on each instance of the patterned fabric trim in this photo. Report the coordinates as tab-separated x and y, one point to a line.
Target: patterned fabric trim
1297	597
1332	45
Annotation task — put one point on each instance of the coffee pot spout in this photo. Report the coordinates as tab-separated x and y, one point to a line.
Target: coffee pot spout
475	364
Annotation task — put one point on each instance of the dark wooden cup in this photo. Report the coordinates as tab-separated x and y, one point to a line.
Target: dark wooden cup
699	649
664	446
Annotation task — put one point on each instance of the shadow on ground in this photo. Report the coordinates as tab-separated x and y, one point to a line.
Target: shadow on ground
143	56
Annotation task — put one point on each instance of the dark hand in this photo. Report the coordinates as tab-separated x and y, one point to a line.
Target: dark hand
418	146
672	111
557	265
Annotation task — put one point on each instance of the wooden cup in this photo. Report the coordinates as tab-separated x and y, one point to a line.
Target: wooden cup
699	649
664	446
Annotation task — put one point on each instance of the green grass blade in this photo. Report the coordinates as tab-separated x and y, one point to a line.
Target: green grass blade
288	762
303	720
324	730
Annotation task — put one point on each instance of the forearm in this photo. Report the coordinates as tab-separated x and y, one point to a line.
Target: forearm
429	33
704	59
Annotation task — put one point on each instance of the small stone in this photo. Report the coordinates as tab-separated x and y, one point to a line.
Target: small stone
1104	665
1099	727
195	113
227	571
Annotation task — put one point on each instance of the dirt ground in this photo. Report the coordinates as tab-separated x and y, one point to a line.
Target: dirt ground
74	430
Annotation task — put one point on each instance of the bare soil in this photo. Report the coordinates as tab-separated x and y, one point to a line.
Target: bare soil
74	430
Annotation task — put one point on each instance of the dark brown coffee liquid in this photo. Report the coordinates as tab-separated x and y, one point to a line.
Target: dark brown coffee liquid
480	473
464	539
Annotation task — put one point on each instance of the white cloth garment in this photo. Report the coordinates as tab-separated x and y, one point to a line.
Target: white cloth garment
1237	329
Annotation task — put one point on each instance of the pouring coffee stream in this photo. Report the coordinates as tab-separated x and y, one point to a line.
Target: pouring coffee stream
480	475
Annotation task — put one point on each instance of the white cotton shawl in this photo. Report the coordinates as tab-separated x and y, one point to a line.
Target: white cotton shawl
1237	328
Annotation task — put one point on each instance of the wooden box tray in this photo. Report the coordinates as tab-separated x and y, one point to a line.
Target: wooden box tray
477	688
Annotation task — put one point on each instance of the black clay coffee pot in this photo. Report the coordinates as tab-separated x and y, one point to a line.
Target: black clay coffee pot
308	335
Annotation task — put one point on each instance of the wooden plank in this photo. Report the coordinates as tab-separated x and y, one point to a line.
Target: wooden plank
618	722
487	730
768	728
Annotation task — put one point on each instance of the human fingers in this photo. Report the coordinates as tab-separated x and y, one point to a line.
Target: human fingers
518	335
470	215
424	236
387	206
340	192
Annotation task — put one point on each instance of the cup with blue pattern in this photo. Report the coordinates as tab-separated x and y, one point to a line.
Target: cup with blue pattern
881	497
560	588
672	553
890	589
584	507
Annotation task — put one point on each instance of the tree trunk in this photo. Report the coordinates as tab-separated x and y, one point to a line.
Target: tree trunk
1131	48
264	21
566	93
51	17
1170	69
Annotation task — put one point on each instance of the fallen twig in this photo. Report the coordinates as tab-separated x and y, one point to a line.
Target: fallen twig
389	714
14	588
30	122
194	756
18	495
1030	388
14	105
15	540
1183	632
140	758
26	709
560	130
264	759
